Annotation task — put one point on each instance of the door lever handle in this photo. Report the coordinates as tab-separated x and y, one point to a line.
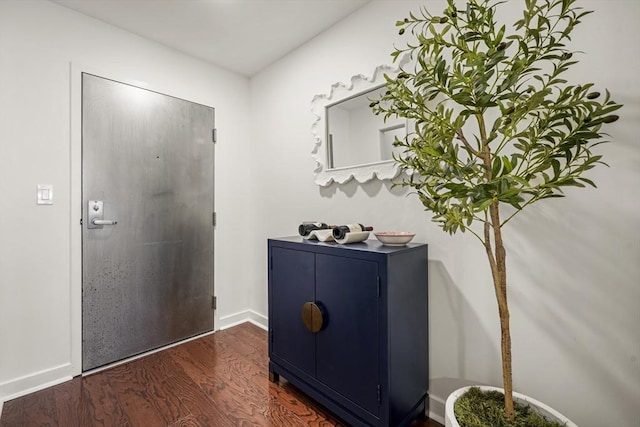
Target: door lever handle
95	212
103	222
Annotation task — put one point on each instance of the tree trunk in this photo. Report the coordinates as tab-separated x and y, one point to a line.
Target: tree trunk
497	260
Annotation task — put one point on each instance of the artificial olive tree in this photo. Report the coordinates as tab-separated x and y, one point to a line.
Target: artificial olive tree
495	125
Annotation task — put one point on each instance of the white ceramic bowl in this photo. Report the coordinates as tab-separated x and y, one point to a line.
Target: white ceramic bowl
394	238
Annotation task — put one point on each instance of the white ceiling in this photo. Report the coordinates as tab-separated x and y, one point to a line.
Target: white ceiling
241	35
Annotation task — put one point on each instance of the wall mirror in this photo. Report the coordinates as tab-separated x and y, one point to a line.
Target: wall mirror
350	141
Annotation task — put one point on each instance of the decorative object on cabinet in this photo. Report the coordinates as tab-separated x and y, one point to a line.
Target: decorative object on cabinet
495	122
307	227
394	238
351	233
343	234
348	325
322	235
314	230
353	237
351	141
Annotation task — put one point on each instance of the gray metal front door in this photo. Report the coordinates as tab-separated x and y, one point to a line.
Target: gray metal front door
147	233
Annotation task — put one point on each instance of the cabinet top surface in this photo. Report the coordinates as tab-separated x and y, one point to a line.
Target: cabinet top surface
370	245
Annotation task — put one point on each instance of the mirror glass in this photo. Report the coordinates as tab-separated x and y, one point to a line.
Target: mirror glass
356	136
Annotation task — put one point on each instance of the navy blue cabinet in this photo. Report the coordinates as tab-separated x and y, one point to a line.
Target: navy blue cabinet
348	326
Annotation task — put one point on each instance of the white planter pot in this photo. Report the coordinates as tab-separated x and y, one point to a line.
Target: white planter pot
539	407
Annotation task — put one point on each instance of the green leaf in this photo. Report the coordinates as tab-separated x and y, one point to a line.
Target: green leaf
588	181
496	167
542	131
508	167
482	205
500	35
556	168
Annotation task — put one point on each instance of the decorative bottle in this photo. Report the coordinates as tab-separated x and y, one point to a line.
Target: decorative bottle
306	228
340	231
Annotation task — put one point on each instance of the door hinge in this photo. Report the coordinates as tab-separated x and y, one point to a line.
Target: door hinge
214	302
214	135
80	221
378	287
214	219
379	395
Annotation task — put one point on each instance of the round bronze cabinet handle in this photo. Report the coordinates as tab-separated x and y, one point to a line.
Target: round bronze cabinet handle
312	317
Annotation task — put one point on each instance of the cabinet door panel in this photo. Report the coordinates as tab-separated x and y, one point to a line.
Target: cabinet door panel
347	347
292	284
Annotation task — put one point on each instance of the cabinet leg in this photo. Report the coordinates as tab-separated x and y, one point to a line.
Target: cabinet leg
423	414
273	377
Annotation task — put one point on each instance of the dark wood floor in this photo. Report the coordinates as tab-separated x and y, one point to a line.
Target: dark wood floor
218	380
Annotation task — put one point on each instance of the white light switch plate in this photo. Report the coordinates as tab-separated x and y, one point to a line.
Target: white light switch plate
45	194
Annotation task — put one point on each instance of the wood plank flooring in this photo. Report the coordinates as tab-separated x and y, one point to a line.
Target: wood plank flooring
219	380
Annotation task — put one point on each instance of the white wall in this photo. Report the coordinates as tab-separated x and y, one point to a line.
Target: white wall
574	267
41	43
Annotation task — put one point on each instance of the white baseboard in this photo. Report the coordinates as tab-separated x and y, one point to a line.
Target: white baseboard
251	316
34	382
436	408
436	416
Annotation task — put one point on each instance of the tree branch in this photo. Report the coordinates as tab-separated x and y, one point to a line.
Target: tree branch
468	146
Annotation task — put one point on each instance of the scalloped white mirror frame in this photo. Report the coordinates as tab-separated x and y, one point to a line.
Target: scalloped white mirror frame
386	169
